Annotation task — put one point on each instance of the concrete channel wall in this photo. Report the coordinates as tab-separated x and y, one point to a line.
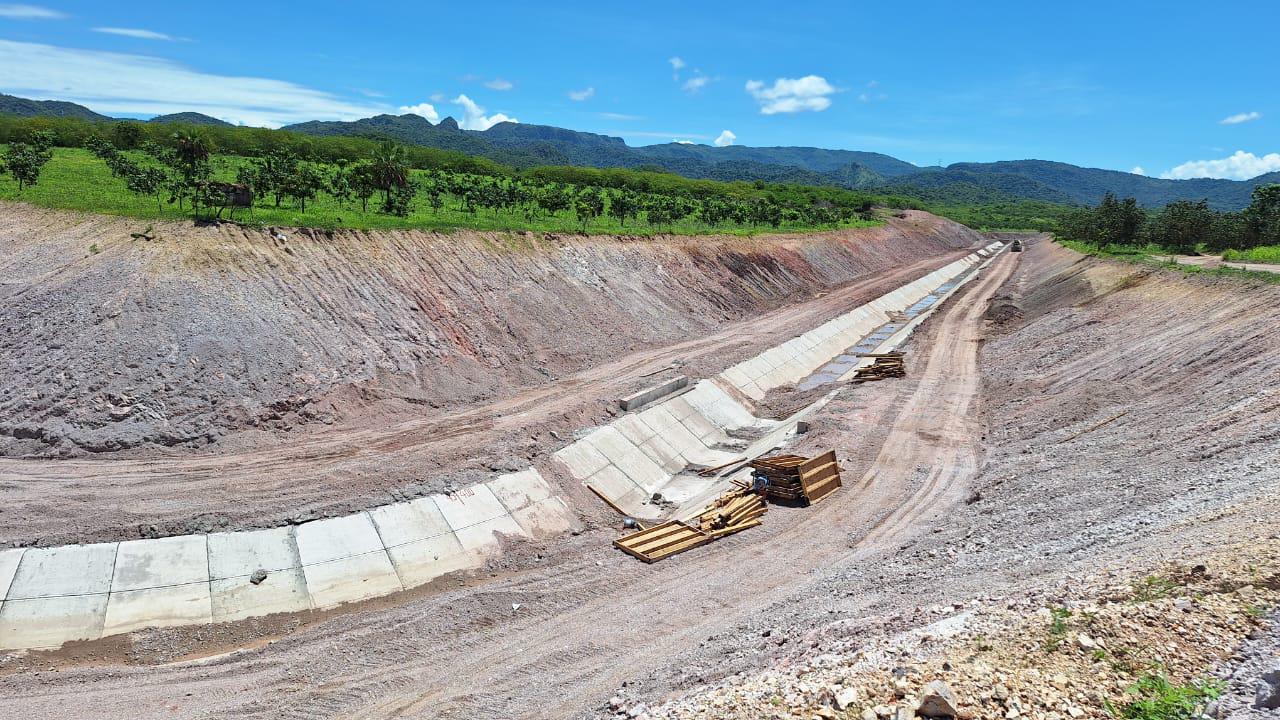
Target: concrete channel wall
50	596
83	592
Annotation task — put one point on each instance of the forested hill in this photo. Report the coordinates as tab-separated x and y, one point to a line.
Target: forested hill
22	107
524	146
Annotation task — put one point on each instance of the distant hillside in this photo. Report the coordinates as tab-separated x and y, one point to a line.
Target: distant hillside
22	107
1088	185
523	146
190	118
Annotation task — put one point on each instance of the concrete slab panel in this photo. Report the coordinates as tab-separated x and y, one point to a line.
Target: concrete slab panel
470	506
627	457
613	483
706	431
522	489
233	558
482	540
679	408
671	430
66	570
632	429
350	579
422	561
545	518
335	538
158	607
8	568
51	621
178	560
661	452
237	598
407	522
344	561
581	458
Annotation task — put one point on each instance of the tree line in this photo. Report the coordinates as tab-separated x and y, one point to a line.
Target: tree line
178	169
1181	227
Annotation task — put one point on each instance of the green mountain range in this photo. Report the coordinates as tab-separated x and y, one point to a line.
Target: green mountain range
523	146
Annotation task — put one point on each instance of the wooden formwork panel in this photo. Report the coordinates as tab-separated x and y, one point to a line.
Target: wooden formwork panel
661	541
820	476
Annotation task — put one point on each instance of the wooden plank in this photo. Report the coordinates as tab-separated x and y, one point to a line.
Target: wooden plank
607	501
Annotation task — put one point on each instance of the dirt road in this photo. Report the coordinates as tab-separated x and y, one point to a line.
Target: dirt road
592	619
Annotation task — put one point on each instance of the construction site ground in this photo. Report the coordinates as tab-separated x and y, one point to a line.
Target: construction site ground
1066	425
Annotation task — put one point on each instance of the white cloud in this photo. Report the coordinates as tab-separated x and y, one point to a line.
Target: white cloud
136	33
29	12
473	117
437	97
676	63
121	83
426	110
499	84
1138	170
696	83
619	116
1240	118
1238	166
725	139
788	95
581	95
684	142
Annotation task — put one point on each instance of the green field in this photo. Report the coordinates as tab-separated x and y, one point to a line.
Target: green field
1269	254
1157	256
77	180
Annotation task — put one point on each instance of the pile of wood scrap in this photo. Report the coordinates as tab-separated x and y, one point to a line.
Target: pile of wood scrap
733	512
793	478
887	365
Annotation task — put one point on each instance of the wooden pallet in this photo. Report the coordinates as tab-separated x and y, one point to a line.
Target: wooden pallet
662	541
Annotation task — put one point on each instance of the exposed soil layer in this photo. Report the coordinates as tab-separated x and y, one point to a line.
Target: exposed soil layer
325	373
1113	418
113	343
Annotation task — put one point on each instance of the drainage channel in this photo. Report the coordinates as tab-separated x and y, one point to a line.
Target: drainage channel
847	360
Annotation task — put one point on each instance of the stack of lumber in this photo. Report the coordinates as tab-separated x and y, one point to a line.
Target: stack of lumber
733	512
885	366
783	473
795	478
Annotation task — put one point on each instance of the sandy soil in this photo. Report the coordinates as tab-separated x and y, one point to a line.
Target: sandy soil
1062	418
1213	261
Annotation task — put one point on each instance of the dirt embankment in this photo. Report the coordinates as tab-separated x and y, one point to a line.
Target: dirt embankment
212	334
1131	431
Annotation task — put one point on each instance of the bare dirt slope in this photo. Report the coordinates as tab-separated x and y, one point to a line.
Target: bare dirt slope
386	331
210	335
1062	418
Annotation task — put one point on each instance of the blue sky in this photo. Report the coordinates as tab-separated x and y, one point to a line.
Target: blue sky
1176	88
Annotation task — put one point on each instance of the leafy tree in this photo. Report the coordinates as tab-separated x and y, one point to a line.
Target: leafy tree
1262	217
1183	225
588	205
127	135
304	184
25	161
622	205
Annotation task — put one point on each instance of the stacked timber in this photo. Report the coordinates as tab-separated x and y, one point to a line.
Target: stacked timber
888	365
782	476
792	478
733	512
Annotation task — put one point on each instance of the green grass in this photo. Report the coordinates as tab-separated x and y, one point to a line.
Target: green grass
1155	698
76	180
1266	254
1156	256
